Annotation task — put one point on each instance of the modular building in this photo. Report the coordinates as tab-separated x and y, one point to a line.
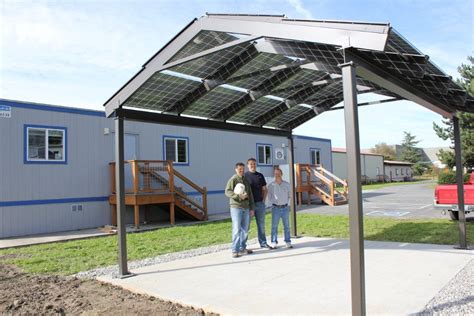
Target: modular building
55	173
398	171
372	165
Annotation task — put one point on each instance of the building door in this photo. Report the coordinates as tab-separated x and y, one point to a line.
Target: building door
130	153
131	147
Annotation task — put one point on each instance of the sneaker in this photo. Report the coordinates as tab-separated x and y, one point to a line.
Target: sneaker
246	252
266	246
289	245
274	245
235	255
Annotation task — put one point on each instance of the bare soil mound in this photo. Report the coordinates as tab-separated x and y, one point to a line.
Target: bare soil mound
23	293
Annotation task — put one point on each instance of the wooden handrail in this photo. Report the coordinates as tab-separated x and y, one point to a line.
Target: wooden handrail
334	176
171	173
112	177
192	184
321	190
322	177
135	176
185	197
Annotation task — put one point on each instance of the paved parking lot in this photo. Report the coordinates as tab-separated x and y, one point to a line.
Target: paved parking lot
402	201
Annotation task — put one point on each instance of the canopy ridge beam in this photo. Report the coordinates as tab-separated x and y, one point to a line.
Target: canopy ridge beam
322	81
316	110
296	98
214	80
254	94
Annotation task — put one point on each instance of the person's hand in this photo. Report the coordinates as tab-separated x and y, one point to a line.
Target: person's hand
252	213
243	196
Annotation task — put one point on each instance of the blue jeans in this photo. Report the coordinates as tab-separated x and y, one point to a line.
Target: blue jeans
240	228
284	214
260	220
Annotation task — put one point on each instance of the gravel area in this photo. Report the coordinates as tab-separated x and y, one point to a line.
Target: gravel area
113	270
457	297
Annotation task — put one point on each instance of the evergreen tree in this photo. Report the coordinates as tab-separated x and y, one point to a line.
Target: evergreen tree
466	123
409	151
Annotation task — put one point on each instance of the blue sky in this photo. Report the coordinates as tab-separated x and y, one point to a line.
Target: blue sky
78	53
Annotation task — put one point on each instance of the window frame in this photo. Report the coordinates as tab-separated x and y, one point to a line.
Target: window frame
271	154
314	149
176	138
27	160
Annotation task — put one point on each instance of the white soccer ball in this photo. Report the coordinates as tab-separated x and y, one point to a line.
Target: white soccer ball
239	189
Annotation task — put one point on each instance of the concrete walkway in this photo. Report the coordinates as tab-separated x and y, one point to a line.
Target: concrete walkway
312	278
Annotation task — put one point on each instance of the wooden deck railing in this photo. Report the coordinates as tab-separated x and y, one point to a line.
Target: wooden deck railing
158	177
322	180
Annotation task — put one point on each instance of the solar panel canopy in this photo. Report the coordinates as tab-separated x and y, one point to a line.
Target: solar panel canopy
277	73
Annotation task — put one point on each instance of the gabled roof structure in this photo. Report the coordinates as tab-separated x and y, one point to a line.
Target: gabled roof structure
269	74
277	73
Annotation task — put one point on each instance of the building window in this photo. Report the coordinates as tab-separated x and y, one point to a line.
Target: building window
378	171
315	156
264	154
45	144
396	171
408	172
176	149
401	171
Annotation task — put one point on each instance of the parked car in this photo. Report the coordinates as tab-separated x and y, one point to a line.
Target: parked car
446	198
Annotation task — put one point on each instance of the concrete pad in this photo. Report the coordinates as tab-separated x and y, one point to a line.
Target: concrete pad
312	278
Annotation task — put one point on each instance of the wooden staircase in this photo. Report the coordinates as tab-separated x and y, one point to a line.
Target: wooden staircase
151	182
315	180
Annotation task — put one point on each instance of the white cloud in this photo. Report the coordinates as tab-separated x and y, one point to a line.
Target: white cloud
300	8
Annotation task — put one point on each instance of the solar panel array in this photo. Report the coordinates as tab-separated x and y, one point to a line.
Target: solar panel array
284	86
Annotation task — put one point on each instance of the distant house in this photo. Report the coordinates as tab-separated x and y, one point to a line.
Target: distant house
372	165
398	171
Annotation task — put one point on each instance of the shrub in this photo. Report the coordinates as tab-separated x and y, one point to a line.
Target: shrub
449	177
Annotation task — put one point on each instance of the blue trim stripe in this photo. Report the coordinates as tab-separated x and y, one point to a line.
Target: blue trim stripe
80	199
52	108
208	192
55	201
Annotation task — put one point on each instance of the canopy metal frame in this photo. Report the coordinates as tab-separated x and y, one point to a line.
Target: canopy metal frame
309	67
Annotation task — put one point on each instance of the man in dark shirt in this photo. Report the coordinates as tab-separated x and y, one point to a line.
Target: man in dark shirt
259	192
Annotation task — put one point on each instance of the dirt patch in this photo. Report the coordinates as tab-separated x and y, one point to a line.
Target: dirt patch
23	293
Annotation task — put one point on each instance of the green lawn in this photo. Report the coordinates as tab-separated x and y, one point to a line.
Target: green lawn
74	256
376	186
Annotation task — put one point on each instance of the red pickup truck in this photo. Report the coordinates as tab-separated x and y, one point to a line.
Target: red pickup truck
446	198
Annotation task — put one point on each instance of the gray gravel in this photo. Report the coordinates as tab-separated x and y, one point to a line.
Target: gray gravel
113	270
457	297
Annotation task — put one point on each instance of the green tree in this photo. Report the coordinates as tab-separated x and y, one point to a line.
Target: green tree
409	151
466	123
386	150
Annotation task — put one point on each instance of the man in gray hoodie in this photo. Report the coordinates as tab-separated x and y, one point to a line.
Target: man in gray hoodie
241	205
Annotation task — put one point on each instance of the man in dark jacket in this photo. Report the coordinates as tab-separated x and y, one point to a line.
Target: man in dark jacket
259	191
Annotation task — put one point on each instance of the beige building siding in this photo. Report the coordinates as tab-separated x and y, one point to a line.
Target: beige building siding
372	166
398	172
